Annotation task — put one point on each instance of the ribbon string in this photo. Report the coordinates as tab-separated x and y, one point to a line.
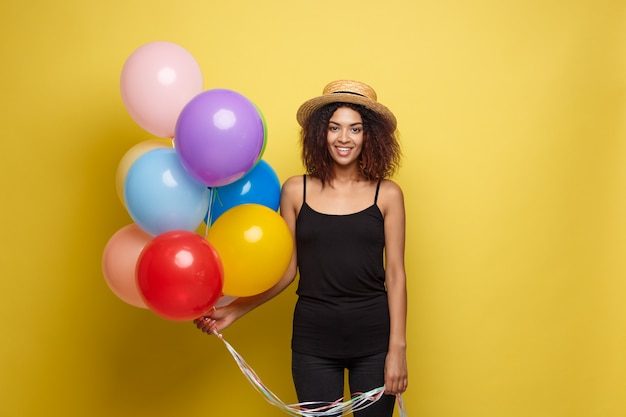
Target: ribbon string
358	401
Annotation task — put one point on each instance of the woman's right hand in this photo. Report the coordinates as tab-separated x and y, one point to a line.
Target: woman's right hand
217	319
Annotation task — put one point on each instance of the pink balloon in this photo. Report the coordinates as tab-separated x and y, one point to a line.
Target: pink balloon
158	80
119	262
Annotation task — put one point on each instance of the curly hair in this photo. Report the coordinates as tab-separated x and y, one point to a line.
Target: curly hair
380	156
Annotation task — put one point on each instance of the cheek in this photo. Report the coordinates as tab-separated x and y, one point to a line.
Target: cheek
331	137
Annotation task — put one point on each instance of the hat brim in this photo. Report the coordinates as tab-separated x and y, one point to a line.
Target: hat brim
310	106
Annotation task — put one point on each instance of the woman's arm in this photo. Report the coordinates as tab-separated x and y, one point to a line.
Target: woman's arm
396	372
220	318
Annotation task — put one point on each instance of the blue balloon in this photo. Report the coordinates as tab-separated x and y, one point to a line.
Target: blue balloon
161	196
259	186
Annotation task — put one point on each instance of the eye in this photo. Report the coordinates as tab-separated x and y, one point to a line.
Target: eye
333	128
356	129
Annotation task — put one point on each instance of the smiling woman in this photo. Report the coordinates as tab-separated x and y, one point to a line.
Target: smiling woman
351	310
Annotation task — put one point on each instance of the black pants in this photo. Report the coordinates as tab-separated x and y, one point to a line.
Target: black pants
322	379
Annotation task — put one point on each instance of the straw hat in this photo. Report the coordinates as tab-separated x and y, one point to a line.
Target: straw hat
346	91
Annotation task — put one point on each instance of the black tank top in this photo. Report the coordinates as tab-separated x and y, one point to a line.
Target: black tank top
342	308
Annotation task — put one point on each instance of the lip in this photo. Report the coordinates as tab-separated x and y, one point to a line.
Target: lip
343	150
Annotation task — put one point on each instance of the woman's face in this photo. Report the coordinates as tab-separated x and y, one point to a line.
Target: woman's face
345	136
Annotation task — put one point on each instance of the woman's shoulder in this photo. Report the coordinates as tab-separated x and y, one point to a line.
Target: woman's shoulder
292	183
390	188
390	196
292	192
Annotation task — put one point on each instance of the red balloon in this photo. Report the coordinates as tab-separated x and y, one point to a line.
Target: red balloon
180	275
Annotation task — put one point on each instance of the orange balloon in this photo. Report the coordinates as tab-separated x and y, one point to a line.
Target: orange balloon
131	156
255	246
119	261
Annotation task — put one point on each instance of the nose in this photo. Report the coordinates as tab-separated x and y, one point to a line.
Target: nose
344	136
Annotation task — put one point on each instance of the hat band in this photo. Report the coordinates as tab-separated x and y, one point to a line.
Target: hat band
347	92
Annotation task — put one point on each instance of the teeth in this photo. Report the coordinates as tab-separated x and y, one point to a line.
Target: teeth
343	149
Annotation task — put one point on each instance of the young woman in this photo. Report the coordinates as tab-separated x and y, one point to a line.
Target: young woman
348	223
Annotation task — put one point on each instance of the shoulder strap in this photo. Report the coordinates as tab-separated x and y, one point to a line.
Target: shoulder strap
304	188
377	188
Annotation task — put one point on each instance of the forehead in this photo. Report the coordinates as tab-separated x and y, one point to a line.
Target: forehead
346	115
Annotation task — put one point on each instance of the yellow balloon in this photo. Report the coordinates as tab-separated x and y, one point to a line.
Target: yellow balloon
131	156
255	246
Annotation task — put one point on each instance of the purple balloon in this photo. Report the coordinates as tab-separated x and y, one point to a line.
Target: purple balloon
219	137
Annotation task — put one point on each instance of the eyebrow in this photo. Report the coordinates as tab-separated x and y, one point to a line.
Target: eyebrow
339	124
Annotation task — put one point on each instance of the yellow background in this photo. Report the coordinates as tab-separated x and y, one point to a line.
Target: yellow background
513	124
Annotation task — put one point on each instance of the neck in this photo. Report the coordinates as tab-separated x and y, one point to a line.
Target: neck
347	174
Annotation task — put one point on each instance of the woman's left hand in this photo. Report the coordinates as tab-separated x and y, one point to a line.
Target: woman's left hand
396	373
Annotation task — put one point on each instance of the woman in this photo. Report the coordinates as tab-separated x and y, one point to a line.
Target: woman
348	223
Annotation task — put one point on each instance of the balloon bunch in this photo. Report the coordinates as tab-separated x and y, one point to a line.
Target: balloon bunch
204	166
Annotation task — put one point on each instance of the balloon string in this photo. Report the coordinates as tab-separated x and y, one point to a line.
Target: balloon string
208	215
214	196
358	401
